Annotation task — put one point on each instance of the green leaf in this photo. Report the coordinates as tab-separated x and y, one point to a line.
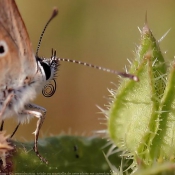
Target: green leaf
133	114
68	154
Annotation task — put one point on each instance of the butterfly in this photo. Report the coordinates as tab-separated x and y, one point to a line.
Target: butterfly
24	74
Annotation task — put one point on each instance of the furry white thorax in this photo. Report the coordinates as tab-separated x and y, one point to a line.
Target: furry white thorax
23	94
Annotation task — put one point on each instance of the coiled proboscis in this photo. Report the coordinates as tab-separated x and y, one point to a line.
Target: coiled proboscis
49	89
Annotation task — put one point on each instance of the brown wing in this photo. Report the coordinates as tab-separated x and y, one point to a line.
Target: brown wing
12	27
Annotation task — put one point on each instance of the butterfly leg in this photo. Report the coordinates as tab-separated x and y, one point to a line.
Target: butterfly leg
2	125
15	130
6	103
39	112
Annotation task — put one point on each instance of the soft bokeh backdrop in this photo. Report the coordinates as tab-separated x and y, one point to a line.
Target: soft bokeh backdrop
96	31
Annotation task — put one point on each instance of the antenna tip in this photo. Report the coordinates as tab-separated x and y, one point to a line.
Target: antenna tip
135	78
55	12
130	76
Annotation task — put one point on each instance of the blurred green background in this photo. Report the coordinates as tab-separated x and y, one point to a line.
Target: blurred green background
95	31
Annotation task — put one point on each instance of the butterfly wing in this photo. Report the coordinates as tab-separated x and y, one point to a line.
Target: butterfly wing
19	61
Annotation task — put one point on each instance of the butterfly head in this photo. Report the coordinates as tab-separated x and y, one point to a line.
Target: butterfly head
48	68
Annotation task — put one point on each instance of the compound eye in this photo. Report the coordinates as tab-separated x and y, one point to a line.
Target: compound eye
46	69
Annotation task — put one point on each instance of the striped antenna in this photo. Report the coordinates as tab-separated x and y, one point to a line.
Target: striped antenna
122	74
54	14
